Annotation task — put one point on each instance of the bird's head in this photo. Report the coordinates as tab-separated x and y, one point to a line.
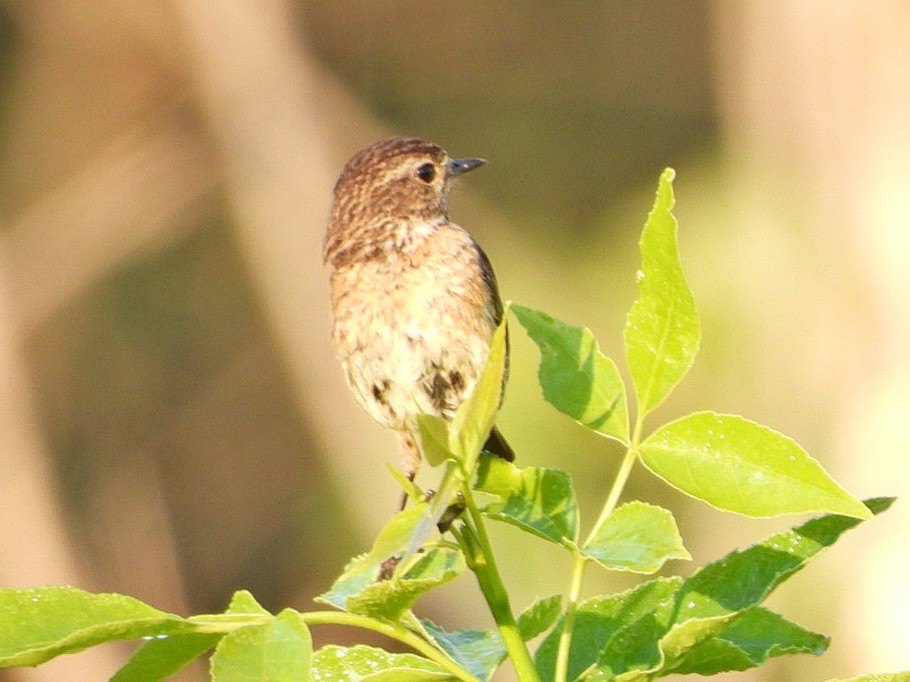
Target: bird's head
390	193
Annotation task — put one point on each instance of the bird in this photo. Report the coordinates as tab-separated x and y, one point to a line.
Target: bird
414	298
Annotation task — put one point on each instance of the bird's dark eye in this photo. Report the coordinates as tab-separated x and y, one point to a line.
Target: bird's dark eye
427	172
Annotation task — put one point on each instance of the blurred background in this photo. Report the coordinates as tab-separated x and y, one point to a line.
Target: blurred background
173	423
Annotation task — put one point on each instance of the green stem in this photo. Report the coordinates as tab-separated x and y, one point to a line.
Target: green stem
221	623
622	477
568	623
476	542
578	568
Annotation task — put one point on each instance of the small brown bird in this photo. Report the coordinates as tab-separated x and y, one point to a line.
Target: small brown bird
415	300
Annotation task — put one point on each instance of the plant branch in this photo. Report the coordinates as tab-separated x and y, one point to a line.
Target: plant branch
223	623
579	565
476	542
568	623
622	477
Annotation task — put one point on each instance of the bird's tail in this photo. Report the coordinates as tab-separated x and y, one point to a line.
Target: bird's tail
496	445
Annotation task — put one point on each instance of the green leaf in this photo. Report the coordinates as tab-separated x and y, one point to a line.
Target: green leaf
637	537
464	436
746	641
539	616
634	646
662	332
39	624
535	499
599	620
737	465
396	535
243	602
389	599
279	650
451	484
719	590
731	642
411	489
746	577
477	651
362	571
358	663
679	638
162	656
641	649
474	418
408	675
682	637
576	378
433	439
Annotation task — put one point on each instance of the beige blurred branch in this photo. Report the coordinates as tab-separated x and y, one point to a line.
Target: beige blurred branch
33	536
815	100
136	196
273	116
86	200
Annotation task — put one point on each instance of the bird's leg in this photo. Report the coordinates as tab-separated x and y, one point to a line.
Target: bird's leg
410	460
410	454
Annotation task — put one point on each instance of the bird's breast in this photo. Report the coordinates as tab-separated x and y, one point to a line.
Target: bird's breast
413	330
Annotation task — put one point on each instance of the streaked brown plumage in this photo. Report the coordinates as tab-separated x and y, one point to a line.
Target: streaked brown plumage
415	300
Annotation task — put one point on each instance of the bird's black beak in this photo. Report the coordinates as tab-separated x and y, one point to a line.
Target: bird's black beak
459	166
